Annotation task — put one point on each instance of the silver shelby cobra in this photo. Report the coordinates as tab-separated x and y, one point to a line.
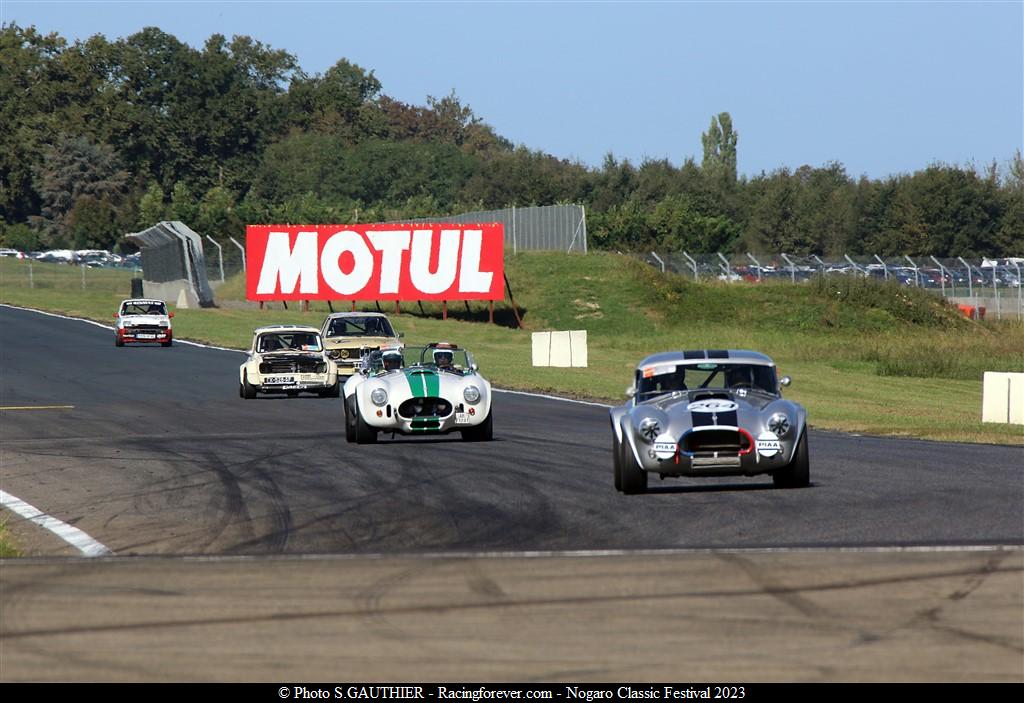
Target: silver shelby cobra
708	413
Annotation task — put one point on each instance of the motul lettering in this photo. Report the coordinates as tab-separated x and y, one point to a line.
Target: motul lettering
375	262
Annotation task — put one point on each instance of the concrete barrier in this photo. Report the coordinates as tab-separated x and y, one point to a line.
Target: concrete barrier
562	349
1002	398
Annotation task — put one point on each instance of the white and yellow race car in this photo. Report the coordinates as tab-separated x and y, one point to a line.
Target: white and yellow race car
288	359
430	390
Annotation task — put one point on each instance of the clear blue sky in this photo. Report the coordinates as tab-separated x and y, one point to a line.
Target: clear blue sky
883	87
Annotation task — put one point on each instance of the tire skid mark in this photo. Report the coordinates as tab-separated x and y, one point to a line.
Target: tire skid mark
371	602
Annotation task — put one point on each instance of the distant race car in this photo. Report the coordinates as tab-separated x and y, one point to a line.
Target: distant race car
708	413
434	389
143	321
288	359
350	335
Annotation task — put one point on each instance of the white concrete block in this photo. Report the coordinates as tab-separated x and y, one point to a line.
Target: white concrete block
1003	398
1016	410
561	354
541	348
578	348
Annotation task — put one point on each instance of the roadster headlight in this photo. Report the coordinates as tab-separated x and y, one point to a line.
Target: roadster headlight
471	394
649	429
379	396
779	424
334	354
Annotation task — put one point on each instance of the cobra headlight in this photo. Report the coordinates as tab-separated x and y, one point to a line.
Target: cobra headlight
779	424
471	394
379	396
649	429
334	354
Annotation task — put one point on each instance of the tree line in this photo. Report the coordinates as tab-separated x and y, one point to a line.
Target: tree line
106	137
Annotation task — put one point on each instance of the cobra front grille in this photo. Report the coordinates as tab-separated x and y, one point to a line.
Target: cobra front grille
292	366
715	443
425	407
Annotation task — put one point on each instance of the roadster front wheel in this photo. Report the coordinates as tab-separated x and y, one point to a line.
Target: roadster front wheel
484	432
350	420
797	474
632	477
365	434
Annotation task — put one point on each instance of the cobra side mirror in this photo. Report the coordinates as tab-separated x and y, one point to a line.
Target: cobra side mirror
401	334
630	391
785	381
473	367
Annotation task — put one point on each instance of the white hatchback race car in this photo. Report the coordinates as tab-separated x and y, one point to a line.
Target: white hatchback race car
431	390
143	321
288	359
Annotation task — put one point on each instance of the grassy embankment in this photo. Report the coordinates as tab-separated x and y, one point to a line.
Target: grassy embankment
864	356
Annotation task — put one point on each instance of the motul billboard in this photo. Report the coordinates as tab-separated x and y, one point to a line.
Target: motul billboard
375	262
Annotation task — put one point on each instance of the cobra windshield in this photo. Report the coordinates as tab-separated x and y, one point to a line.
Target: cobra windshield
711	376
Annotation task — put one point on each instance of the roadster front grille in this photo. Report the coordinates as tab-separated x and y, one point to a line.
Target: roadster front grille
425	407
716	443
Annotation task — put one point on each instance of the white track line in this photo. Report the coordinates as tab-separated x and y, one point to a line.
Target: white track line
72	535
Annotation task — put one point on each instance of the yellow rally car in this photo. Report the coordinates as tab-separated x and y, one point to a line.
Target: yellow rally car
350	335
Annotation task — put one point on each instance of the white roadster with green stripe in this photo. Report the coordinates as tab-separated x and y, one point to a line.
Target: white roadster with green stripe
428	390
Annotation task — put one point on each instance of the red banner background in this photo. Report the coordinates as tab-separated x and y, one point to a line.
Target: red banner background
375	262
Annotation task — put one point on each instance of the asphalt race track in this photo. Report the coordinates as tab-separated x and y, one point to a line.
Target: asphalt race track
404	560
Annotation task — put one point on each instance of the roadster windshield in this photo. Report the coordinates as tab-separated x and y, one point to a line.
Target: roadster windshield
368	326
709	375
288	341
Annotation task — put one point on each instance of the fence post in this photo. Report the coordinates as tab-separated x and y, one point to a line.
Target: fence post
995	294
885	268
970	283
583	208
241	249
820	263
1020	284
728	267
31	281
942	274
693	265
513	229
854	264
756	263
917	276
658	258
82	266
220	256
792	268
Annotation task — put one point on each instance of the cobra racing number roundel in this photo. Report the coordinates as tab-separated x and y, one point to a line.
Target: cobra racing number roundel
712	405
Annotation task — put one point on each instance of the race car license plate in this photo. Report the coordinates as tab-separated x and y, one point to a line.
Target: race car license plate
461	418
278	380
145	336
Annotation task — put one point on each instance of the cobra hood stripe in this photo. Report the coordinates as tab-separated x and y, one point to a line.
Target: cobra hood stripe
728	418
423	383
